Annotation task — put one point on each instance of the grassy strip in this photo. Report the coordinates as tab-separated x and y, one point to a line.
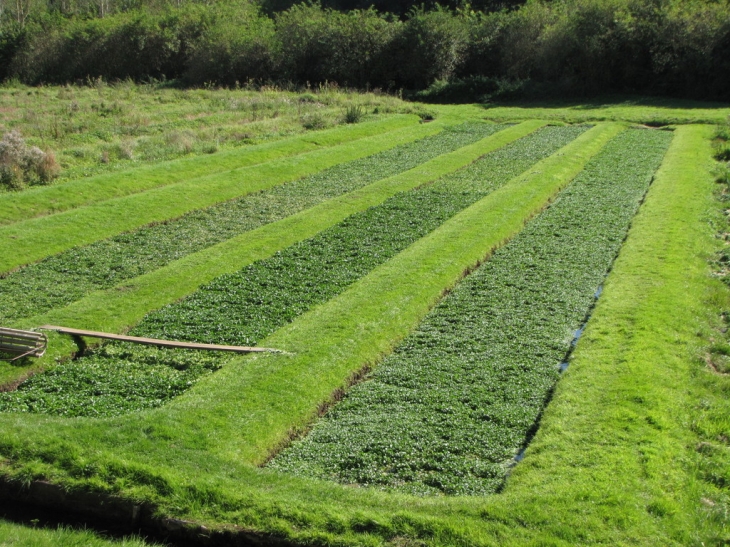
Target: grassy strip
27	241
244	307
68	276
652	111
16	207
459	396
17	535
116	309
620	449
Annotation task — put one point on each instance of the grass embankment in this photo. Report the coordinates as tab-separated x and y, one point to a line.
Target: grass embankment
27	241
244	307
193	453
117	309
46	200
70	275
460	395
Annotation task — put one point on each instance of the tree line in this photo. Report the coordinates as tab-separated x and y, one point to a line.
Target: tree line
441	53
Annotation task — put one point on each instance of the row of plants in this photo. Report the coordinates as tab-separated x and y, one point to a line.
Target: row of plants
245	307
462	394
68	276
118	308
27	241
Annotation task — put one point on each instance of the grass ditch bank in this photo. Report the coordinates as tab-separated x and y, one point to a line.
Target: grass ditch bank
46	200
31	240
244	307
116	309
70	275
461	394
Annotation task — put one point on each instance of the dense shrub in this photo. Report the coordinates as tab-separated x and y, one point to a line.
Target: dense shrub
21	164
573	47
319	45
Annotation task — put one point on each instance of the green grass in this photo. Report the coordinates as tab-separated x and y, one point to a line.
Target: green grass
460	395
242	308
27	241
641	110
116	309
46	200
68	276
618	454
102	128
16	535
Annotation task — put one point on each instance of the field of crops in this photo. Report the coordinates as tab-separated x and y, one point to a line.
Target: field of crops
487	333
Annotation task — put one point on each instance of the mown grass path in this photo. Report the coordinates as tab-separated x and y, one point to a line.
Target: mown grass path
27	241
46	200
64	278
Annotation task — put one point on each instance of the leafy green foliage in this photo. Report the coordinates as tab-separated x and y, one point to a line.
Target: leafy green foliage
244	307
460	396
70	275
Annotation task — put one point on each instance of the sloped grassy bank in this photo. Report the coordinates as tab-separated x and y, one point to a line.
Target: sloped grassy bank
459	396
245	307
70	275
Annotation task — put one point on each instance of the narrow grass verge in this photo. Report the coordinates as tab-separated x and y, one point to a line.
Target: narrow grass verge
246	306
31	240
16	207
16	535
461	393
70	275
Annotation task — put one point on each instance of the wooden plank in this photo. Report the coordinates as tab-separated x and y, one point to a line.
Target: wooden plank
154	341
22	334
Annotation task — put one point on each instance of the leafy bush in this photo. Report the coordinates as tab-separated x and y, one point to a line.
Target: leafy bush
353	114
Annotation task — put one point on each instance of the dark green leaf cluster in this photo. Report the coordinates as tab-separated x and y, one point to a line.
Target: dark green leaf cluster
68	276
451	407
115	379
244	307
